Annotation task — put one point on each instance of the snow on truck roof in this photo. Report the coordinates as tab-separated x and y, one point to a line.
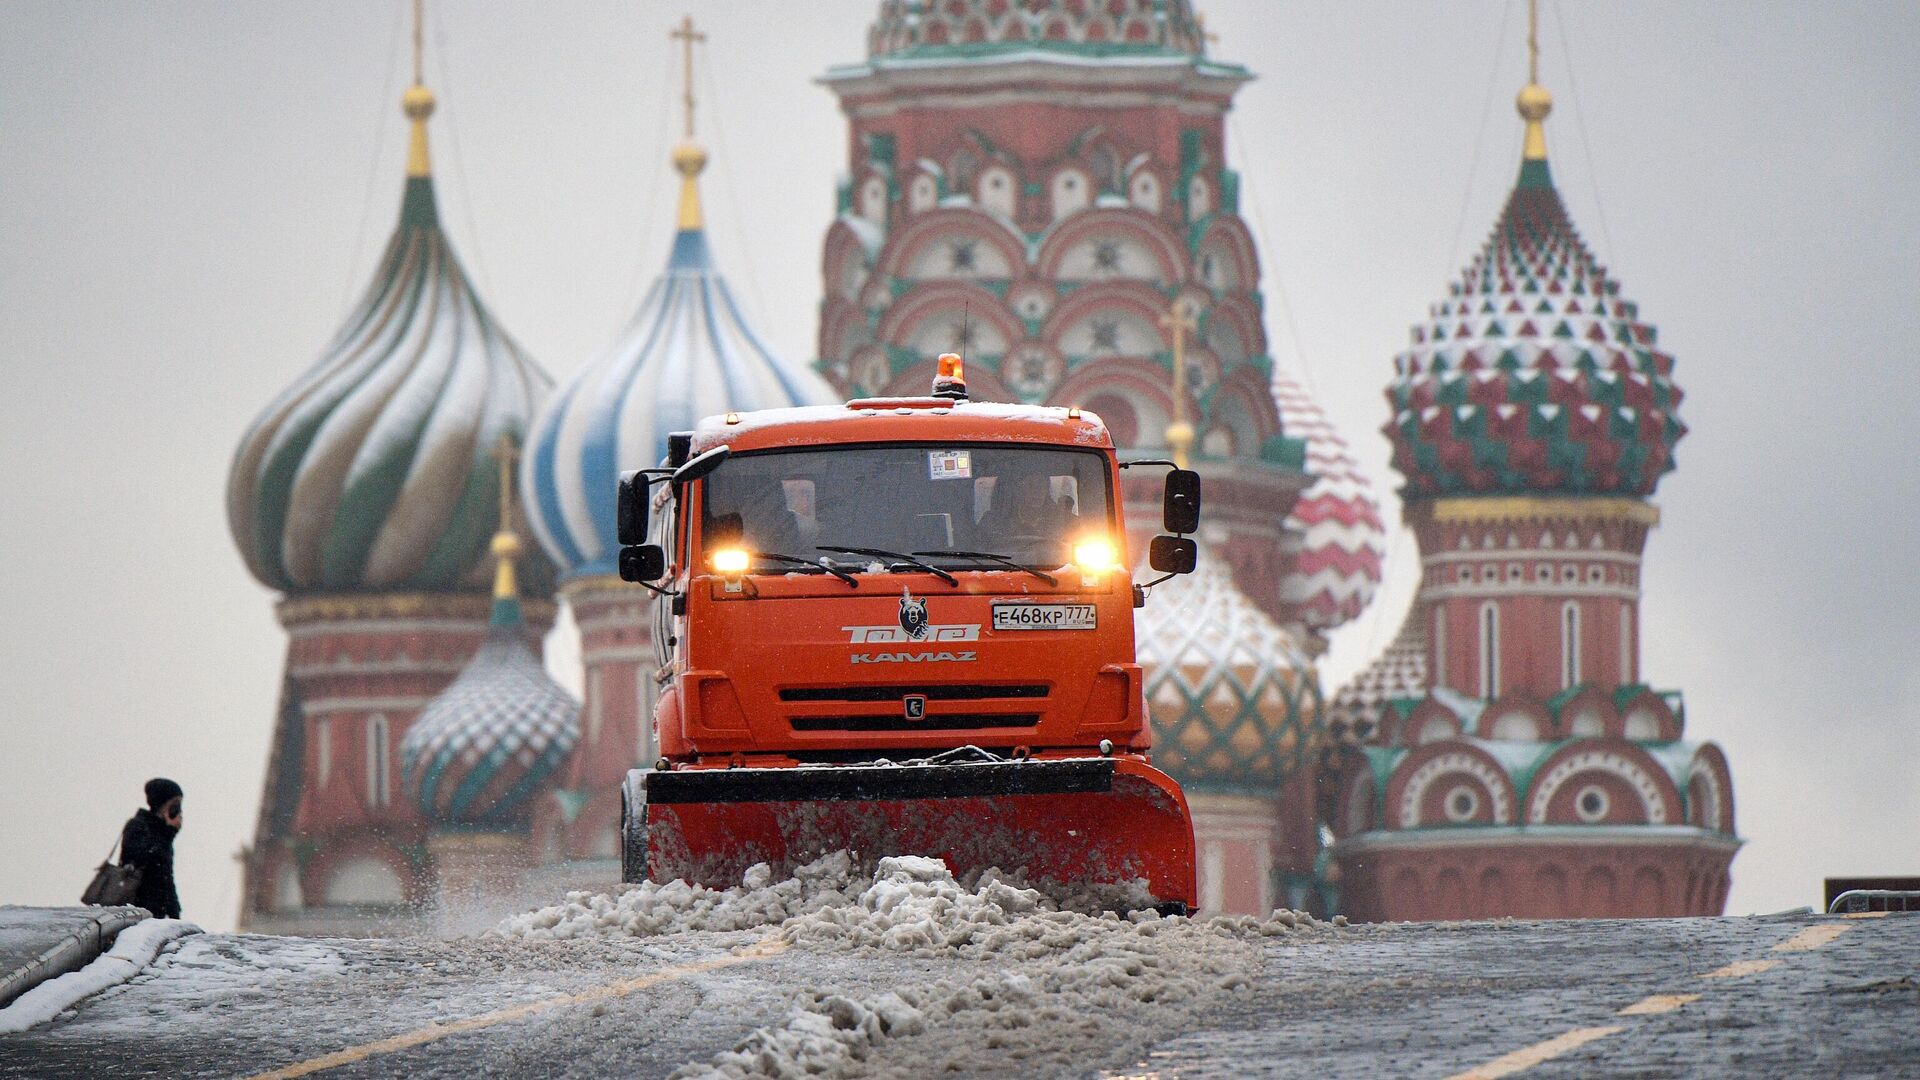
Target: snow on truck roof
905	419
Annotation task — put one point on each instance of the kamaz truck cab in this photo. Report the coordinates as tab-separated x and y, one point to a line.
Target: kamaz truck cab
902	626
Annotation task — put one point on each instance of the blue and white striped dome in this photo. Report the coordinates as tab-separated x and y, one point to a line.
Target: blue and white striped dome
687	353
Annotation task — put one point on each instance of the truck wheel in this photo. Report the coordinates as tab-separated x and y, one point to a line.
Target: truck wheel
633	840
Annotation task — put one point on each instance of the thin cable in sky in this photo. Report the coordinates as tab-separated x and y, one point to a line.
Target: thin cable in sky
710	84
1301	365
453	143
1580	121
387	97
655	159
1479	139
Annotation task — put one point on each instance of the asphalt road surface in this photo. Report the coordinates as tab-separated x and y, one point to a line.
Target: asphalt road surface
1796	995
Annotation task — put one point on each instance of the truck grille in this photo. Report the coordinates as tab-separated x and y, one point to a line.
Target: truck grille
885	712
938	692
931	722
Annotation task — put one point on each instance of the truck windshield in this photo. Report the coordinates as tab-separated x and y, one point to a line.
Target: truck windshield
1028	504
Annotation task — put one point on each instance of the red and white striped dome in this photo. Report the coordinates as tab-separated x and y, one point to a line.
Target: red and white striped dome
1341	551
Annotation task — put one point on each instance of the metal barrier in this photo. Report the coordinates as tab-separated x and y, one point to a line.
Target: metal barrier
1858	900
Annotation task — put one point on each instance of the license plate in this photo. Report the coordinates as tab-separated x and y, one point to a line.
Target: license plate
1043	617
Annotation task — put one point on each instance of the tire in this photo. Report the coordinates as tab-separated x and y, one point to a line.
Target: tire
633	837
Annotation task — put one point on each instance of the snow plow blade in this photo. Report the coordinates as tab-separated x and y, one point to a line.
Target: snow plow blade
1112	830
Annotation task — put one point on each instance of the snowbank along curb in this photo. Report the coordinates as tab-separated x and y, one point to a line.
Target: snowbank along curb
132	951
75	937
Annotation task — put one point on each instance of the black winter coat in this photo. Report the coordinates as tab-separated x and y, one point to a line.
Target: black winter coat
147	842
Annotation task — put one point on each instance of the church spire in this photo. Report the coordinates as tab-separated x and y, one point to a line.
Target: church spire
689	157
1534	103
1179	321
417	103
506	545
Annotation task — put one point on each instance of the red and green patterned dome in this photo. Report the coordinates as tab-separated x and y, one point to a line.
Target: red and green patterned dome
1534	376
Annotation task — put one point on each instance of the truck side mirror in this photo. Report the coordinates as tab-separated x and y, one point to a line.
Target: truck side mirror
1180	512
642	563
630	511
679	448
1173	554
697	467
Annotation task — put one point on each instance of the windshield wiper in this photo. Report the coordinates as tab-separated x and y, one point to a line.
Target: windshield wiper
817	564
881	553
997	558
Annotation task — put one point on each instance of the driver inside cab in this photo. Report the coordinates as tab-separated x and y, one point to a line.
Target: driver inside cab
1024	507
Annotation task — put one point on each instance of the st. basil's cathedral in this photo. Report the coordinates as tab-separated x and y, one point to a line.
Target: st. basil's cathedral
1042	184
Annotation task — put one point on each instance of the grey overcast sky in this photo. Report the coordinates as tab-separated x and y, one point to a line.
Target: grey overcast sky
189	194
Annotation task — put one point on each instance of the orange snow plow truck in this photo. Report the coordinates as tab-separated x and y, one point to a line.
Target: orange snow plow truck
903	626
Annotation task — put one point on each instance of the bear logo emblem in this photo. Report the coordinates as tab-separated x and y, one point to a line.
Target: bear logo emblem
913	615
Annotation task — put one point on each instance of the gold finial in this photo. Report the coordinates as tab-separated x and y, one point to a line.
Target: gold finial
1207	37
689	157
506	546
1180	321
417	103
1534	102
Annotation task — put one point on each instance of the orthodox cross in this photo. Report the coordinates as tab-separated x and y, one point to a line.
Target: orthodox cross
1533	41
417	20
1179	321
506	453
1207	36
687	36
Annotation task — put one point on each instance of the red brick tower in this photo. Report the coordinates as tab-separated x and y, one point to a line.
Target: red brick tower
366	494
1042	185
1036	184
1506	756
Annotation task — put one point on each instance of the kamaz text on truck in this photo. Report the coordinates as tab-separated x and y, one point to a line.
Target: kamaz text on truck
903	626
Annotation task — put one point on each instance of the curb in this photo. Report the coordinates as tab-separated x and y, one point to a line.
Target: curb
73	952
134	950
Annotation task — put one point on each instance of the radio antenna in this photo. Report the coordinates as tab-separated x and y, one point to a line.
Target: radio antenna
966	327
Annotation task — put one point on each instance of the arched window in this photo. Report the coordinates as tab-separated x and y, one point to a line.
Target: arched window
1199	199
1627	674
365	881
1439	645
1146	191
322	751
1570	644
923	193
1070	192
379	762
873	200
1489	650
997	191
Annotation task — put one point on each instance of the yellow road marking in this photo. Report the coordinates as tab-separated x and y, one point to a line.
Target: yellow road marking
433	1032
1528	1057
1866	914
1654	1004
1813	937
1742	967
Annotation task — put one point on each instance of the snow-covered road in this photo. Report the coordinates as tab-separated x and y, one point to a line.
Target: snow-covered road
908	973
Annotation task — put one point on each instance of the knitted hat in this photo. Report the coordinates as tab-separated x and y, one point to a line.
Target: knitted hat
160	789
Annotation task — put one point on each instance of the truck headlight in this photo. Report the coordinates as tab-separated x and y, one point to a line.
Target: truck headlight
731	560
1095	555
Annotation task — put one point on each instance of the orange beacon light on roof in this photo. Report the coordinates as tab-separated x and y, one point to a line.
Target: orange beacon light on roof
950	378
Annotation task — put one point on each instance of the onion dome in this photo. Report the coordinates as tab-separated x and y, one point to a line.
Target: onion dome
481	750
1397	674
1234	701
1337	568
372	471
687	353
1534	376
910	27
